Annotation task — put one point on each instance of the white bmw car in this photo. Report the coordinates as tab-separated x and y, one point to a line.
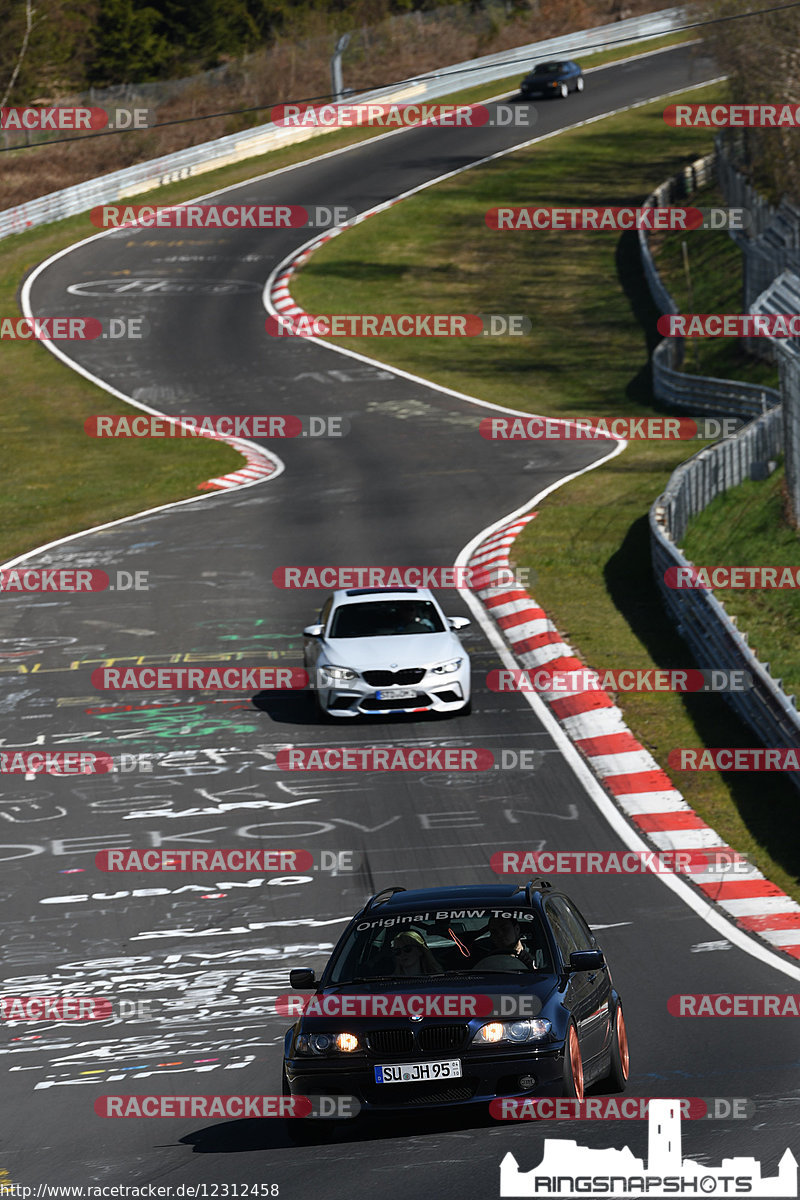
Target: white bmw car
386	650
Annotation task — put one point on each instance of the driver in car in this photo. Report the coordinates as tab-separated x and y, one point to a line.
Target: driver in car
502	936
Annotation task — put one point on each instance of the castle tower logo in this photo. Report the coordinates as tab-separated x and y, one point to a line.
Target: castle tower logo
568	1170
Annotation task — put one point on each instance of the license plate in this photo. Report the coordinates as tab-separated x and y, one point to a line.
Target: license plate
449	1068
396	694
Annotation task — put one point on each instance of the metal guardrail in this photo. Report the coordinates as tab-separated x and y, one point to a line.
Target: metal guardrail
699	616
236	147
702	395
782	298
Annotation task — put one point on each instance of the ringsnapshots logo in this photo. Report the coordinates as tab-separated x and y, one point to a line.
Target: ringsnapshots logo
337	578
568	1170
572	682
649	429
72	329
387	115
74	120
221	216
615	219
222	425
399	325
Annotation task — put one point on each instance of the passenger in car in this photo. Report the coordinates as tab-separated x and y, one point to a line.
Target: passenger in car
412	955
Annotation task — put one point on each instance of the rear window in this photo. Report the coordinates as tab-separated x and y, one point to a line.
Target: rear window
548	68
444	942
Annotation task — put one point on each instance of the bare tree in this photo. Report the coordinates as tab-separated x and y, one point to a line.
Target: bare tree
30	12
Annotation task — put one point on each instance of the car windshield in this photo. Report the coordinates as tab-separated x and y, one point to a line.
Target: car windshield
440	943
548	68
385	618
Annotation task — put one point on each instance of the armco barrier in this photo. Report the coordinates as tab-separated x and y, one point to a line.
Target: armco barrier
699	615
700	394
236	147
782	298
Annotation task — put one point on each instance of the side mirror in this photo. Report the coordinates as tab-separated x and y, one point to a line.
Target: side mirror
458	622
302	978
313	630
586	960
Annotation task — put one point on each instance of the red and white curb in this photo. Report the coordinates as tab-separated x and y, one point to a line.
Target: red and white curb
645	793
593	723
277	293
259	465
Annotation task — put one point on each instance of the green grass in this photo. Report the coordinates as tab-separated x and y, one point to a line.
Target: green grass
643	47
587	355
713	284
43	404
747	527
56	479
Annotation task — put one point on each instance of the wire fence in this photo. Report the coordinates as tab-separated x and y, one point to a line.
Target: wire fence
771	266
237	147
700	616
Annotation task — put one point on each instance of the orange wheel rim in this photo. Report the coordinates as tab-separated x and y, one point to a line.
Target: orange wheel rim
576	1063
622	1042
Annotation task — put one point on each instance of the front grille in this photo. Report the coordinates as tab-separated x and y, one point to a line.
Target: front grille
394	678
391	1041
437	1039
373	704
421	1093
446	1095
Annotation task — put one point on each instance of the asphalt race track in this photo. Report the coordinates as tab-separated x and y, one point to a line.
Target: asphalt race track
411	483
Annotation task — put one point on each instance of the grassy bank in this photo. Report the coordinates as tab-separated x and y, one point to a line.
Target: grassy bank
587	355
43	404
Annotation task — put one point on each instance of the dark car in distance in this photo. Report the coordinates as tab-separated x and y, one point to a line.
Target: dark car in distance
555	1027
552	79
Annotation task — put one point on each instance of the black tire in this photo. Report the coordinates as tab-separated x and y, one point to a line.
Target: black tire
579	84
322	714
299	1130
564	91
617	1078
466	710
573	1066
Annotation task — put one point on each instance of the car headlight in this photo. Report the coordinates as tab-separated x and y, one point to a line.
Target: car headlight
330	674
447	668
322	1044
511	1032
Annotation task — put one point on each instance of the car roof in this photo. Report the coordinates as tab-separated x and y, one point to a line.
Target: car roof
480	895
343	595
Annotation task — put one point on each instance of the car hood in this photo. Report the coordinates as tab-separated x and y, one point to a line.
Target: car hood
406	650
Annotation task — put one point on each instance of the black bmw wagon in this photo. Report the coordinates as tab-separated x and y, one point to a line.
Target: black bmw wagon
457	996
